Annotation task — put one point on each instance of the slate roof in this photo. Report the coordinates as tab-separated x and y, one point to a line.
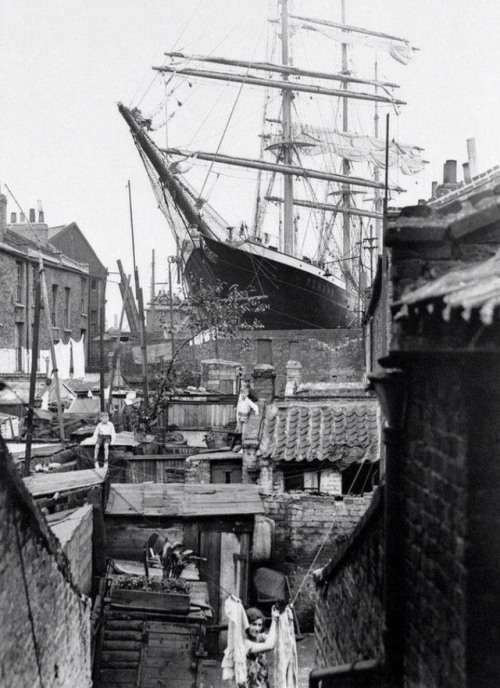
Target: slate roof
342	432
472	288
184	500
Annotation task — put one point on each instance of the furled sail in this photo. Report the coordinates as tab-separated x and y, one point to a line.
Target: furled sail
355	147
400	50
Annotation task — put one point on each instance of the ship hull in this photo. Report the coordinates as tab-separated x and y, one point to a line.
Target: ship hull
298	295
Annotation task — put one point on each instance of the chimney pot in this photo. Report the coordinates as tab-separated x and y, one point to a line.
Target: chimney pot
466	169
434	189
32	215
450	172
3	215
22	218
471	154
13	218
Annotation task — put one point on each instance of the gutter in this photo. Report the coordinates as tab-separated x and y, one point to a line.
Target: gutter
362	674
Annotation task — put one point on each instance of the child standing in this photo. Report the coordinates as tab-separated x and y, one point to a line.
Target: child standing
104	435
244	408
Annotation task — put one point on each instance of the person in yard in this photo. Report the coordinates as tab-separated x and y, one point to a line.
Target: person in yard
257	643
244	408
104	435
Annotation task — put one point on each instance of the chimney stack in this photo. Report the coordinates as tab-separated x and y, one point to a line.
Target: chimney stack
13	218
466	169
450	172
3	216
434	189
471	154
32	215
41	217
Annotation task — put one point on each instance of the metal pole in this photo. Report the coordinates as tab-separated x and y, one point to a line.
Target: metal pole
116	353
172	336
102	308
34	365
46	306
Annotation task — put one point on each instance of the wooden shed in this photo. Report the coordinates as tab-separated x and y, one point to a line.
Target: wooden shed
215	521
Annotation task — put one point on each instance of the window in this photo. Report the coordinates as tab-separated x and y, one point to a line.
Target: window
53	317
19	281
34	281
93	284
83	299
19	346
293	480
67	300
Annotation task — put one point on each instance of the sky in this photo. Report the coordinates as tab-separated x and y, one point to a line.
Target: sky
65	64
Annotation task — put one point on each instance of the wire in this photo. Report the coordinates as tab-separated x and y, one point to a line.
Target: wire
28	603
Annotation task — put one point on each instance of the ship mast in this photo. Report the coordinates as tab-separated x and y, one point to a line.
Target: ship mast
288	225
346	168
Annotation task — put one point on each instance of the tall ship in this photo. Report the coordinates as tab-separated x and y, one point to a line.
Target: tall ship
319	180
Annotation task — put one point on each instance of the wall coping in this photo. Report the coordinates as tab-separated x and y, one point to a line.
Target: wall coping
328	571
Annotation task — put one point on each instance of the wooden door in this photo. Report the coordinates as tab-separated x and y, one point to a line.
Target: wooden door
226	572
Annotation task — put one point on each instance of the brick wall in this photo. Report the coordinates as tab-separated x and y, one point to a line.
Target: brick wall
434	526
325	355
303	523
349	602
74	532
45	629
21	313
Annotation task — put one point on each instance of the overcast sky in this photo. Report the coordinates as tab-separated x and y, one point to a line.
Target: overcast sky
66	63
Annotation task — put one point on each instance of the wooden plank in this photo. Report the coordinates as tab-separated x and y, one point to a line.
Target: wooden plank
123	657
123	624
210	545
124	635
171	628
119	676
157	601
120	645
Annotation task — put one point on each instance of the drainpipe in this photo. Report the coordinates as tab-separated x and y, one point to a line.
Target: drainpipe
390	386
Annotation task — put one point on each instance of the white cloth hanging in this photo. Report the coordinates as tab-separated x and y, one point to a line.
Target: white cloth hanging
78	358
286	667
234	662
63	359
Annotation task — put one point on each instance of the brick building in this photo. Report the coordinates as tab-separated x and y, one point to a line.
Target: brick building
67	286
45	630
72	242
416	589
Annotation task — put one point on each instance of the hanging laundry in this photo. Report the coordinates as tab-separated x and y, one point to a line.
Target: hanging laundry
286	667
234	662
63	359
78	358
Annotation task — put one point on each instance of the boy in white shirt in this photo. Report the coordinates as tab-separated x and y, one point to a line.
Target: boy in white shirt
244	408
104	435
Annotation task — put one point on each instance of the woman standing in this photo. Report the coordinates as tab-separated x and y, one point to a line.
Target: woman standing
257	644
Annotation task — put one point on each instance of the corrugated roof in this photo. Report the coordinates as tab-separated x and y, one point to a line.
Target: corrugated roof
473	288
50	483
179	499
334	431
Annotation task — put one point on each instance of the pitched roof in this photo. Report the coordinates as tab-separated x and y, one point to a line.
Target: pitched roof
472	288
179	499
337	431
460	213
